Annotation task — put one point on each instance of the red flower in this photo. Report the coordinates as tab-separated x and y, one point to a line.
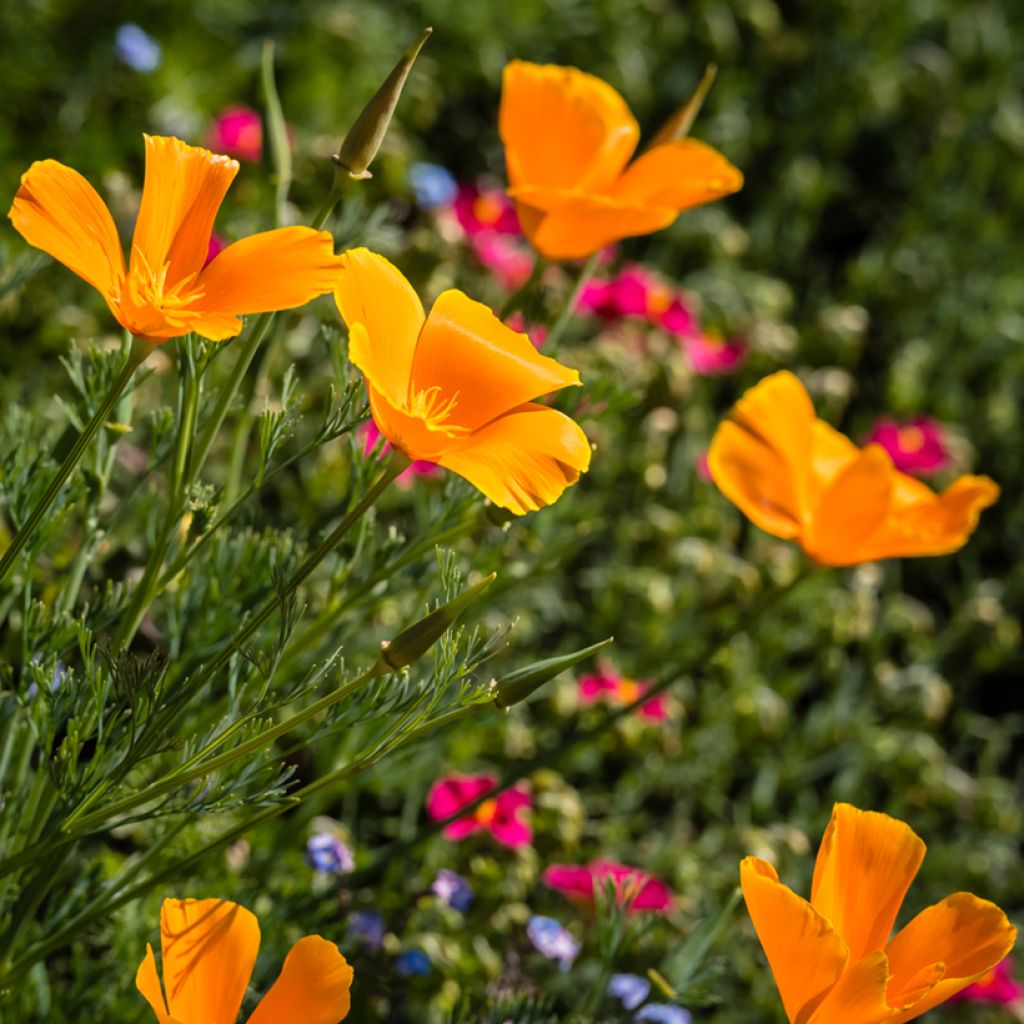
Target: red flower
480	209
710	354
641	891
616	689
916	446
997	986
238	131
501	816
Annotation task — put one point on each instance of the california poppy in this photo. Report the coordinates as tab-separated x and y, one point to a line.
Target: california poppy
568	139
209	949
167	291
832	957
455	387
798	478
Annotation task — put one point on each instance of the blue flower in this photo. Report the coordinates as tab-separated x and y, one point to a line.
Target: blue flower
138	49
664	1013
433	184
412	963
453	889
367	926
630	989
553	941
326	852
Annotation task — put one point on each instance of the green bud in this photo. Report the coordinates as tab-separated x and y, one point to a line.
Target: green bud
518	685
365	136
418	638
679	124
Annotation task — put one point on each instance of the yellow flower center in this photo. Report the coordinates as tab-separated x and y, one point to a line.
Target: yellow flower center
487	209
911	439
487	812
629	691
433	408
147	302
659	299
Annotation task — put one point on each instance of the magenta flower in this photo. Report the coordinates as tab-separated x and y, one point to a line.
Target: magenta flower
479	210
239	132
638	292
215	247
371	434
634	887
997	986
537	333
710	354
700	464
502	816
916	446
510	260
608	686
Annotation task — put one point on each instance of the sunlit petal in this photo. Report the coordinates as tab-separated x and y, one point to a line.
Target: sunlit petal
313	987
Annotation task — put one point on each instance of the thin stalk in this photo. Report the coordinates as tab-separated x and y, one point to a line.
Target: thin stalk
277	133
569	308
139	350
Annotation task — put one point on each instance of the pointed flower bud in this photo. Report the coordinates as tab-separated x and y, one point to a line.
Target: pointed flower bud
679	124
365	136
417	639
518	685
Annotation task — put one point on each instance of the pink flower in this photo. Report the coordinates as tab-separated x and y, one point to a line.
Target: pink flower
510	260
371	434
537	333
481	210
638	292
916	446
613	688
502	816
709	353
239	132
633	886
700	464
216	246
997	986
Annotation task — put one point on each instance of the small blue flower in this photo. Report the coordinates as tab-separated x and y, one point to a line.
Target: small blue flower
453	889
368	927
433	185
138	49
553	941
664	1013
326	852
630	989
412	963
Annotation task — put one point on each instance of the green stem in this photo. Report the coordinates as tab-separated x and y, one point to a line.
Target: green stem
569	308
140	349
277	133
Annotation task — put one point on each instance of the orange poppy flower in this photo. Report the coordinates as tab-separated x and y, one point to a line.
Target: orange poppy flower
797	478
568	139
166	291
209	949
456	387
832	958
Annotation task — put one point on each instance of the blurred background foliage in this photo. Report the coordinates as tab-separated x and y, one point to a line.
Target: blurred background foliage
875	249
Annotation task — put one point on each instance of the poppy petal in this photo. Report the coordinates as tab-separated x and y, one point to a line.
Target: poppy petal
147	981
182	192
523	460
209	949
968	936
760	457
563	128
485	367
272	270
865	865
805	954
313	986
831	452
680	174
858	996
373	292
57	210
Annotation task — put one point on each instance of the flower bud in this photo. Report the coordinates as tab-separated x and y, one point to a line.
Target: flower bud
679	124
518	685
418	638
365	136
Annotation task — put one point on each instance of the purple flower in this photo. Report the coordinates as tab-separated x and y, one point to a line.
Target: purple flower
664	1013
368	927
137	49
451	888
433	184
553	941
412	963
326	852
630	989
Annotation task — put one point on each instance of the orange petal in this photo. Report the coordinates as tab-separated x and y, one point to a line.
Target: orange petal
147	981
859	995
209	949
523	460
313	986
805	954
58	211
832	452
484	367
373	292
967	936
181	195
269	271
563	128
865	865
680	174
568	224
760	457
850	512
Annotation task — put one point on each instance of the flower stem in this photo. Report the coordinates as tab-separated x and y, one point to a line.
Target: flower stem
586	273
139	350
